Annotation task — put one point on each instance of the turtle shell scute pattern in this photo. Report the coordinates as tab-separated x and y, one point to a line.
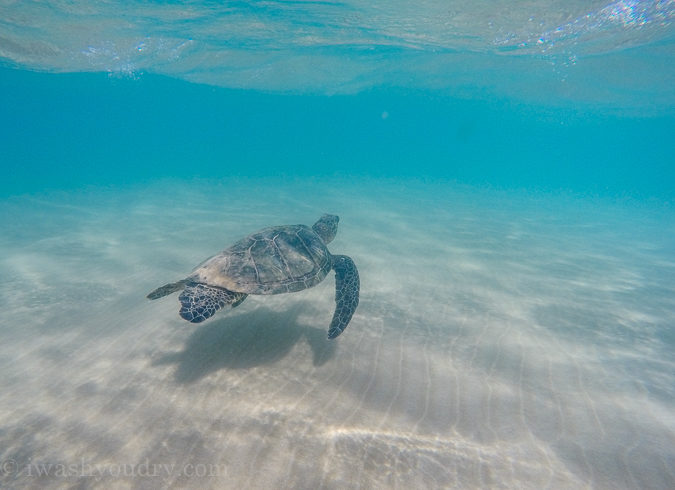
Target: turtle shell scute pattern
281	259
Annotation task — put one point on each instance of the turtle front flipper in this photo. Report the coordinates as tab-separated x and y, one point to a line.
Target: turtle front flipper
347	286
199	301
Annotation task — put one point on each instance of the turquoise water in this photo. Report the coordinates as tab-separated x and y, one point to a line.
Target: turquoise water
68	130
504	174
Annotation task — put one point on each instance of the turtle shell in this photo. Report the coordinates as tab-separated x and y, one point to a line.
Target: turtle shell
280	259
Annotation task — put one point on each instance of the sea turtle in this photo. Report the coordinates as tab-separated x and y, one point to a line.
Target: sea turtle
280	259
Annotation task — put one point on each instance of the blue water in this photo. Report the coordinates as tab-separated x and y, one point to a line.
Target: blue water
505	177
79	129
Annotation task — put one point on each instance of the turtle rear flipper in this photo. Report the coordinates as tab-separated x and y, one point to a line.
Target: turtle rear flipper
347	286
199	301
166	289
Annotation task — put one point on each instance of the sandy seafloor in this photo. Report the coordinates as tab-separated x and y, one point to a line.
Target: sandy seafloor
504	340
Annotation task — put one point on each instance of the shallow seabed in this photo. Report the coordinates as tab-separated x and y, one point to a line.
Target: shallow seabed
504	340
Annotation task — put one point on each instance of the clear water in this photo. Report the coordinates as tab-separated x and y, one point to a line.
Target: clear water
504	173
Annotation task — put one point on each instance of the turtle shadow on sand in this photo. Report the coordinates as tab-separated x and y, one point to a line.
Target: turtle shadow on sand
262	336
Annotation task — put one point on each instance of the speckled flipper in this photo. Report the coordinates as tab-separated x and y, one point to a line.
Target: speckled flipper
346	294
199	301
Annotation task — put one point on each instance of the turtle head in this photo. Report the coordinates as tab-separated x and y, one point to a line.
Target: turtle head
326	227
